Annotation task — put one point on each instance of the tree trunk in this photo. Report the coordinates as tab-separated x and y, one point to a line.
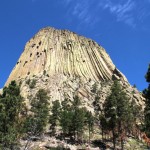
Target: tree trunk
89	135
122	146
114	139
102	134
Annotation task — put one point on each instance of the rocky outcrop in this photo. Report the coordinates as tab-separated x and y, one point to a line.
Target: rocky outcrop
55	52
65	63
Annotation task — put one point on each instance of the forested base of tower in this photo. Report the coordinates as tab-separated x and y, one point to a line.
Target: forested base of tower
68	123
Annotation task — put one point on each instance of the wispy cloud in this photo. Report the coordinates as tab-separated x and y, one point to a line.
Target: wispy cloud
82	11
87	10
122	11
130	12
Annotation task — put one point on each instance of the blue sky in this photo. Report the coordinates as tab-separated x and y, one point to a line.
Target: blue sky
122	27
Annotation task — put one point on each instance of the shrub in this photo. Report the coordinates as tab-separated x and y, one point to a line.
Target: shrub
32	84
28	81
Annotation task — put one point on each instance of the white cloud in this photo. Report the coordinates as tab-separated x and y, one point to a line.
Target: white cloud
130	12
81	9
87	13
123	12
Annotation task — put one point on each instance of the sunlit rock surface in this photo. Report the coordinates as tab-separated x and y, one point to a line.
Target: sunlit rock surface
65	64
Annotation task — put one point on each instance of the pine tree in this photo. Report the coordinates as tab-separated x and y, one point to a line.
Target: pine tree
54	117
134	116
78	117
73	118
90	123
11	109
122	114
78	122
94	88
116	111
146	93
103	124
110	110
66	105
66	117
36	122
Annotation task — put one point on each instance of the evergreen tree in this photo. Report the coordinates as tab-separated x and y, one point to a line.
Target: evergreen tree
103	124
116	111
73	118
36	122
134	116
78	122
78	117
96	105
122	115
66	105
146	93
54	117
90	123
66	117
11	109
94	88
110	110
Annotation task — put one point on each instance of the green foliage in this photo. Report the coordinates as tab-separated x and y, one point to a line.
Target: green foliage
90	122
146	93
78	117
78	122
28	82
96	104
37	121
134	116
11	108
103	124
55	115
66	104
116	110
32	83
73	118
147	76
94	88
66	117
76	102
134	86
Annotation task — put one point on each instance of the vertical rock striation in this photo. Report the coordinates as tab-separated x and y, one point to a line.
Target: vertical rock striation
63	63
63	52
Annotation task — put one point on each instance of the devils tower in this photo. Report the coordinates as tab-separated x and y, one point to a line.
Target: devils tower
65	63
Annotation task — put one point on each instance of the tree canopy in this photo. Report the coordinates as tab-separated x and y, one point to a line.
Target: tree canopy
11	109
146	93
38	119
116	111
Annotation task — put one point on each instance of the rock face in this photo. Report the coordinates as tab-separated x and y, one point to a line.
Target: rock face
65	63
